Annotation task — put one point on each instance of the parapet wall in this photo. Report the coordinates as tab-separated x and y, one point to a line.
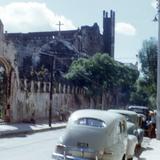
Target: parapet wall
44	87
32	100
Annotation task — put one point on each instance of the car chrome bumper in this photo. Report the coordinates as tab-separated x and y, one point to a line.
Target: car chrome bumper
57	156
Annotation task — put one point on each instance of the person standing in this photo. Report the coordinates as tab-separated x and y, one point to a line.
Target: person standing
153	123
7	113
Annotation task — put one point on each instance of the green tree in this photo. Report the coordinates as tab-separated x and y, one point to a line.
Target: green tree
148	59
140	94
102	74
145	91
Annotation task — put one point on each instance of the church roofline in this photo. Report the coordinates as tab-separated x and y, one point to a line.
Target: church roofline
43	32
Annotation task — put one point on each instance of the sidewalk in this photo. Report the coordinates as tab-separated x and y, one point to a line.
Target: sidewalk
26	128
150	150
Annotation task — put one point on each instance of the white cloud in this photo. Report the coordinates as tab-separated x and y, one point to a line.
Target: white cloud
154	4
31	16
125	29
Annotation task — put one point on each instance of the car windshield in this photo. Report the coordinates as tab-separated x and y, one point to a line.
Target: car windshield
139	110
130	118
91	122
127	117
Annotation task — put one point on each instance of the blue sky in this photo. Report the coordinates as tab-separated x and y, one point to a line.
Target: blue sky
133	19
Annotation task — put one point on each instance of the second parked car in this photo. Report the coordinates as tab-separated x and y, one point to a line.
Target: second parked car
132	124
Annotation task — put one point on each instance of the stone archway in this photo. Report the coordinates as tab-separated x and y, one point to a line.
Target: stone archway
5	106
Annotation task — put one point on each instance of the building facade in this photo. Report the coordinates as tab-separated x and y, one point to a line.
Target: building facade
23	57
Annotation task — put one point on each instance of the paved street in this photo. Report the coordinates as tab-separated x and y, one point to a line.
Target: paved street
38	146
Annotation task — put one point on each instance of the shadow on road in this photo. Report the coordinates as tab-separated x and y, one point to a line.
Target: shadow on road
25	129
139	151
17	130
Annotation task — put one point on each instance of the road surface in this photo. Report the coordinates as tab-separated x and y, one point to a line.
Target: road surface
38	146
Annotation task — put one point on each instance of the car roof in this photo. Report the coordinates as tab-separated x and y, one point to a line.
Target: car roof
122	111
140	107
103	115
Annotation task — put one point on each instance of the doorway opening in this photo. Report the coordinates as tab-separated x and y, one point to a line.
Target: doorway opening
3	92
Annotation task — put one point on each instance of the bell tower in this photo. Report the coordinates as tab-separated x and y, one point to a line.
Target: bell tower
109	32
1	30
1	37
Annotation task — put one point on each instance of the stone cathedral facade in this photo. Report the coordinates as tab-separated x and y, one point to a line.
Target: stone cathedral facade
23	54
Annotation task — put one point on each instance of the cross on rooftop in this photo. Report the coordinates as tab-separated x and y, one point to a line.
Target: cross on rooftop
59	24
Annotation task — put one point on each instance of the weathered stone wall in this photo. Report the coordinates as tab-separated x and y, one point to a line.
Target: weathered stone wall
29	48
91	39
22	51
86	40
32	101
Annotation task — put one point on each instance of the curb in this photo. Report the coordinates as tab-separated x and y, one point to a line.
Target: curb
14	133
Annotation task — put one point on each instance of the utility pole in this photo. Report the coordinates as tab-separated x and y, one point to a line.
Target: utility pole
51	90
52	69
158	76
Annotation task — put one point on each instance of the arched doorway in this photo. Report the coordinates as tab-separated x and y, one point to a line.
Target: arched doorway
3	94
5	88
